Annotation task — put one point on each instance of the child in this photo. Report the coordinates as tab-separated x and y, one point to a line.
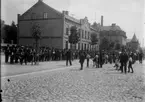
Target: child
130	64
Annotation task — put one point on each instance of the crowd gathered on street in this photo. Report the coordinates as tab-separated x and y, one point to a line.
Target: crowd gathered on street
122	60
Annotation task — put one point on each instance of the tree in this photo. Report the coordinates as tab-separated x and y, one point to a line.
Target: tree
13	31
111	45
10	33
94	39
36	34
118	46
104	44
74	36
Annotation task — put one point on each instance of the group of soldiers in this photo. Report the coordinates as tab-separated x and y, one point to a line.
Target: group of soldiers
28	54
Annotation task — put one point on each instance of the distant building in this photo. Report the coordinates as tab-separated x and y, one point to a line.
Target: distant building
113	33
55	27
133	44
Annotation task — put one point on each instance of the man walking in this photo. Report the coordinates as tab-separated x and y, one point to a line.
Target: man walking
82	59
68	57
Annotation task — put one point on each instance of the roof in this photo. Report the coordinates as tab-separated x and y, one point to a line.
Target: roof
72	18
114	28
134	39
40	2
128	40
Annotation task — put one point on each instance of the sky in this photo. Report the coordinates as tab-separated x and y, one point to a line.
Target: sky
128	14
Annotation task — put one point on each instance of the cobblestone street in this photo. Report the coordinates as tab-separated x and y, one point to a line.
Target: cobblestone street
72	85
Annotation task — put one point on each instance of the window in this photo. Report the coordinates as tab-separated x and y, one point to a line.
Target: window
45	15
67	31
66	45
79	32
82	33
82	47
88	36
85	34
85	46
78	46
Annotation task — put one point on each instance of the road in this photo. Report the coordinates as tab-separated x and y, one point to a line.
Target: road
17	69
72	85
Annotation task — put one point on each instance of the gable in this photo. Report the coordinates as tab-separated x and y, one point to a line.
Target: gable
85	25
39	9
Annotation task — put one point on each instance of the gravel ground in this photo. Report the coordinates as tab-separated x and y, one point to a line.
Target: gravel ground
72	85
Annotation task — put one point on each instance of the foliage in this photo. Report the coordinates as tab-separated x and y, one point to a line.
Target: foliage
10	33
104	44
94	39
36	31
118	46
74	36
111	45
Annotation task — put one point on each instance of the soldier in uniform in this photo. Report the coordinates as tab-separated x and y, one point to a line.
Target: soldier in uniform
21	55
7	53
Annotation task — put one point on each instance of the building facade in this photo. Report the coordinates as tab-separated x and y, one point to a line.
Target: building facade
55	27
113	33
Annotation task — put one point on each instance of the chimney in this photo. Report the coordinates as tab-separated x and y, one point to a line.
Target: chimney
66	12
101	20
113	24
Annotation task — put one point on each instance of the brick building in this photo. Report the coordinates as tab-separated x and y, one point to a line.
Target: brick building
55	27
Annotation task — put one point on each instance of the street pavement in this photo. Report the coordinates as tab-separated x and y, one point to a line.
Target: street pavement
17	69
72	85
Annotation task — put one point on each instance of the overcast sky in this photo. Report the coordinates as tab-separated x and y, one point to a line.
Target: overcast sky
128	14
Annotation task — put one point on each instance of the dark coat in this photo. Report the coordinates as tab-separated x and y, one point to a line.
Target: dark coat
123	57
82	57
68	54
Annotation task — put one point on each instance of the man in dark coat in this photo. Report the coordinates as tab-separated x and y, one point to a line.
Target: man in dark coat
100	61
123	61
82	57
68	57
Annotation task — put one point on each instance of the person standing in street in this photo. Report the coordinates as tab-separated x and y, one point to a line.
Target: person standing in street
123	61
88	58
100	61
7	53
68	57
130	64
82	59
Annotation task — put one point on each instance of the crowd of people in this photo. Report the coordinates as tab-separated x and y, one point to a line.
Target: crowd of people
27	54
